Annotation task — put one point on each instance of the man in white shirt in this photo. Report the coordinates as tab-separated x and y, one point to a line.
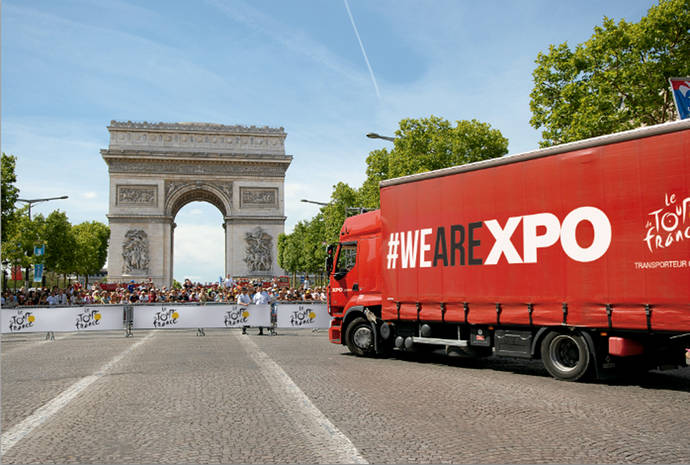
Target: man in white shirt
229	283
261	298
52	299
243	300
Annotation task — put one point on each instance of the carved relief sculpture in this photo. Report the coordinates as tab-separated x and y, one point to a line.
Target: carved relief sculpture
136	195
135	252
257	197
258	252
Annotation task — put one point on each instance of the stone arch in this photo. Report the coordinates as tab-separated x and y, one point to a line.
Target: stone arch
157	168
197	192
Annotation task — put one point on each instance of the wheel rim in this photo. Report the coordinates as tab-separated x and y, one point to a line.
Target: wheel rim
362	337
565	353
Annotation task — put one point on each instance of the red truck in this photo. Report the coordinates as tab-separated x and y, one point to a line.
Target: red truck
578	255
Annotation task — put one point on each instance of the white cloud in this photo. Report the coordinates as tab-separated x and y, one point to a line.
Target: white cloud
199	252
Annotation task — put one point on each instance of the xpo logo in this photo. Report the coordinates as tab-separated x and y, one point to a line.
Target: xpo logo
554	231
458	245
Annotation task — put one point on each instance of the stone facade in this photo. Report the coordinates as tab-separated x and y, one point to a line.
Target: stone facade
157	168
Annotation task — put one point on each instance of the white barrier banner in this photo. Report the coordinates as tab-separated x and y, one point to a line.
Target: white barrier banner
303	316
200	316
61	319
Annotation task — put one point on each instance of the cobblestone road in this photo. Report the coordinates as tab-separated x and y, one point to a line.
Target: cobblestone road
173	397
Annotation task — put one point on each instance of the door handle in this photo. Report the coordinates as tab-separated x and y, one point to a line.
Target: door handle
355	287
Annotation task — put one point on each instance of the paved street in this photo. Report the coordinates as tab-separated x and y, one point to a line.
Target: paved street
172	397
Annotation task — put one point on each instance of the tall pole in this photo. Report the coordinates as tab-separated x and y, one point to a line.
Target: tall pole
31	202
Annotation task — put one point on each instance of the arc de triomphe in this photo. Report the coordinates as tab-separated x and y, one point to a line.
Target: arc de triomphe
157	168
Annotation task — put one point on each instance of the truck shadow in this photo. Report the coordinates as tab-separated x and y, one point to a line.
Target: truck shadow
676	380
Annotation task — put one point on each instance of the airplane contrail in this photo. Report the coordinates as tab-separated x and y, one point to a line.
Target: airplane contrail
361	45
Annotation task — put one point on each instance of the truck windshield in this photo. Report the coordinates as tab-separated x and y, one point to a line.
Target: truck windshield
346	258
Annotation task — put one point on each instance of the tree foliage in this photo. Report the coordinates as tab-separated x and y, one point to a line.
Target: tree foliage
616	80
10	192
343	198
23	235
428	144
305	248
91	247
421	145
60	243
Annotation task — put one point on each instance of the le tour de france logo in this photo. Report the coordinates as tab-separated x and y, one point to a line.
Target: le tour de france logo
22	320
236	316
166	317
669	224
302	316
88	318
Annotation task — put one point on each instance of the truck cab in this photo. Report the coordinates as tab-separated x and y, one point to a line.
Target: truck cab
354	275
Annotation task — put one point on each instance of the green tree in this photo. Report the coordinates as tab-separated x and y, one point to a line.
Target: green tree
314	244
289	250
9	193
343	198
91	249
22	235
428	144
60	244
616	80
421	145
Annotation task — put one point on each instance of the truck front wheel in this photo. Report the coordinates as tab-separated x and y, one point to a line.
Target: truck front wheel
359	337
565	356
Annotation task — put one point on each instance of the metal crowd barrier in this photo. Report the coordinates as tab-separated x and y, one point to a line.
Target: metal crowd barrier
197	315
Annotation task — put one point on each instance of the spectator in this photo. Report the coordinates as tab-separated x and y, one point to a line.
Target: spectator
52	299
243	300
261	298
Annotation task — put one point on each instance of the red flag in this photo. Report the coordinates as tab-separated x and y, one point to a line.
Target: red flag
17	273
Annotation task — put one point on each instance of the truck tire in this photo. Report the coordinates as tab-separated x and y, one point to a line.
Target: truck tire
565	356
359	337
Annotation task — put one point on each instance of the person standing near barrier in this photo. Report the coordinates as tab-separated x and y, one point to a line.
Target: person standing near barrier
229	283
261	298
243	300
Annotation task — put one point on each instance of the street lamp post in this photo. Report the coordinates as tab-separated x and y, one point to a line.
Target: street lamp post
347	209
314	202
373	135
33	201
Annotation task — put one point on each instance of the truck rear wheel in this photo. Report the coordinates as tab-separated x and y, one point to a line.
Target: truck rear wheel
359	337
565	356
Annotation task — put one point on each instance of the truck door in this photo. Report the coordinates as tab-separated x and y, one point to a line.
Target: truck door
345	274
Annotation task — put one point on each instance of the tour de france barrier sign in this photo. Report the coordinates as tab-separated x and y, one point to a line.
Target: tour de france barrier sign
104	318
303	316
204	316
61	319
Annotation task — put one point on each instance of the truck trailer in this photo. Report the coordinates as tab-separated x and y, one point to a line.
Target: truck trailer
577	254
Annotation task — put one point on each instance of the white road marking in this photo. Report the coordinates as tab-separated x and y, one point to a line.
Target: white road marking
328	442
45	412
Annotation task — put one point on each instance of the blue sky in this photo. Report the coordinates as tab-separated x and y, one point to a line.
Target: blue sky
69	67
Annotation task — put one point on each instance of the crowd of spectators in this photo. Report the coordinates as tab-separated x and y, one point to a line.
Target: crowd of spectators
146	293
